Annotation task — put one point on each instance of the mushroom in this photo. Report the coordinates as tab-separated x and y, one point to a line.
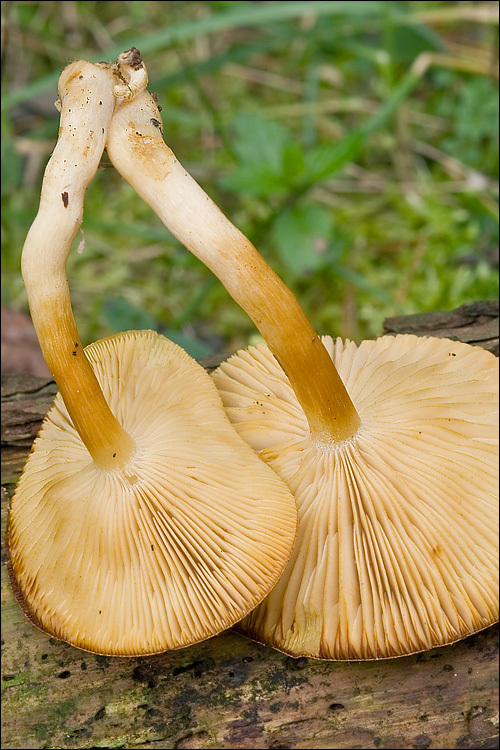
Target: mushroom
397	548
142	522
389	447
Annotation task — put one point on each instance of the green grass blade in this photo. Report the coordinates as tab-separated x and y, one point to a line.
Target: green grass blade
247	15
327	159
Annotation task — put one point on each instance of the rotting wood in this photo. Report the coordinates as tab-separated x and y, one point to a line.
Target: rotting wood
229	692
475	324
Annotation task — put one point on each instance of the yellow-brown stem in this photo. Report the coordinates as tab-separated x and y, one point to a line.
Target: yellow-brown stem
137	150
281	321
87	101
107	442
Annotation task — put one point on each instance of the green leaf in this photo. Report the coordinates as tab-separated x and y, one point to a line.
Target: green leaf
122	315
256	180
264	151
410	41
362	281
326	159
260	140
193	346
293	163
302	236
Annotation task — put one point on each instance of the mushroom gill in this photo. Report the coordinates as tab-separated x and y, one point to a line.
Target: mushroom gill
397	547
168	550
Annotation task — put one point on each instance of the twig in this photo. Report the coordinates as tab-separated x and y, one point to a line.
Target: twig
474	180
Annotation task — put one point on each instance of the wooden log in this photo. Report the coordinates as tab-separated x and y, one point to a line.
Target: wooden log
475	324
229	692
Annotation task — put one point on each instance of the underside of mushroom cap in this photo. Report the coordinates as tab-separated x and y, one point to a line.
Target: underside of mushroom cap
179	544
397	546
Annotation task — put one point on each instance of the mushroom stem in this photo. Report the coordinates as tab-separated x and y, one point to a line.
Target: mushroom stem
137	150
86	105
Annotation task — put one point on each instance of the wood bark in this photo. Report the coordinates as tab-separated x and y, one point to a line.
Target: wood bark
229	692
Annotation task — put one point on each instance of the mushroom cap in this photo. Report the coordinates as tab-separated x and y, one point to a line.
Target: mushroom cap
178	545
397	545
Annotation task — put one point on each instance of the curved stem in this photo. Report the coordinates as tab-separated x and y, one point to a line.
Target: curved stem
136	148
87	102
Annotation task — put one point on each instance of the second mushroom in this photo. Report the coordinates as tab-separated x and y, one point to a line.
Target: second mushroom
390	447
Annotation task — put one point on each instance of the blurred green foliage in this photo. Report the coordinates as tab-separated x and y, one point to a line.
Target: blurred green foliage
356	144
